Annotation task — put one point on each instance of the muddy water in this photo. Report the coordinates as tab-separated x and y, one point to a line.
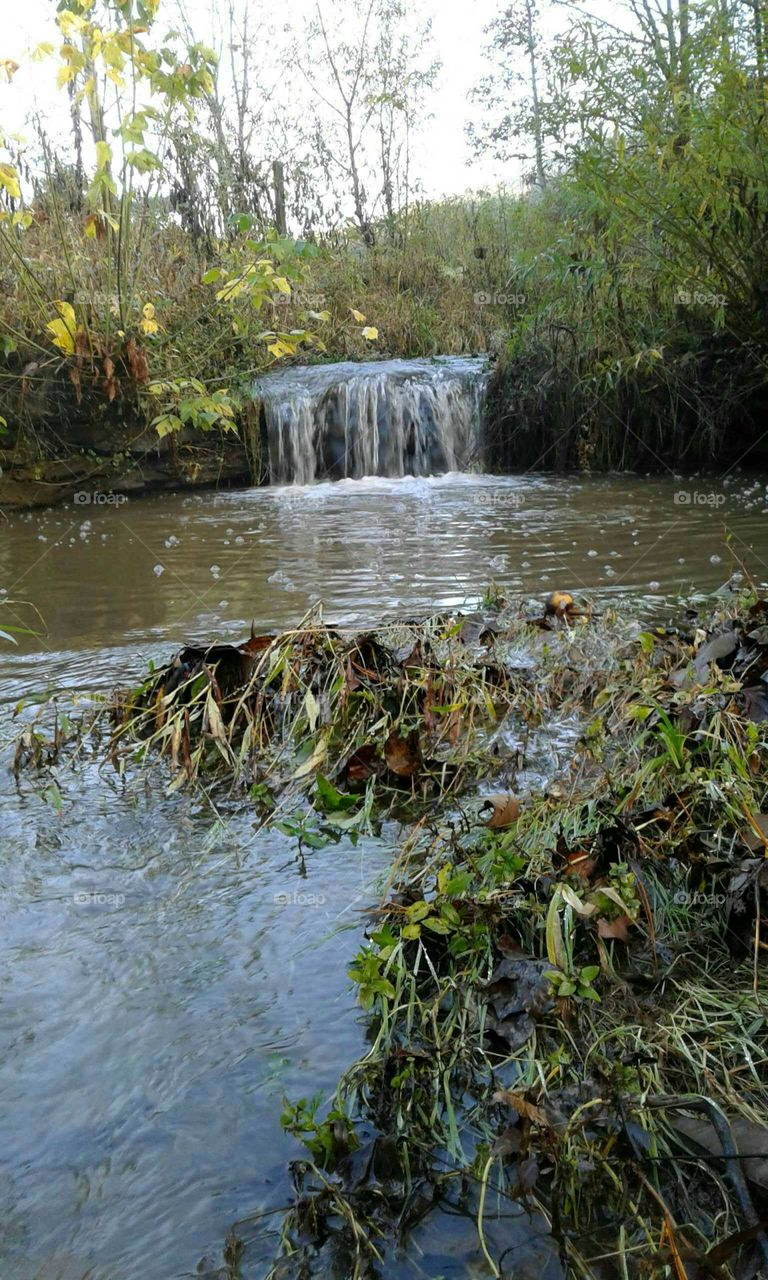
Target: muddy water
166	974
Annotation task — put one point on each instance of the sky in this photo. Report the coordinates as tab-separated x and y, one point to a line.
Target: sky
442	157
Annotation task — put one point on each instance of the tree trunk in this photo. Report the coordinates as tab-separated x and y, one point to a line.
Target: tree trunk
278	175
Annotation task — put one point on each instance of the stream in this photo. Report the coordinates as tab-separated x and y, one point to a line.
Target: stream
169	971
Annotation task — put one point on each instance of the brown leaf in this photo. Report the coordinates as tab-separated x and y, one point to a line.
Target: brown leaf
527	1174
507	1143
579	863
94	222
523	1108
756	836
255	644
618	928
74	377
508	946
755	704
136	360
362	764
403	755
505	809
454	726
81	346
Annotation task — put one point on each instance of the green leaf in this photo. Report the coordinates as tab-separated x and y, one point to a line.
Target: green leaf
331	800
143	161
437	925
418	910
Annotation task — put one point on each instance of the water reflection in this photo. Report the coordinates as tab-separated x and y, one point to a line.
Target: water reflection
165	976
142	578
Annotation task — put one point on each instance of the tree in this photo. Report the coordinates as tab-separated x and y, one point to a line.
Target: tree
514	37
368	79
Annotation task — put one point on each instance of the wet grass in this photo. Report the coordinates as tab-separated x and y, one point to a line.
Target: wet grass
567	1013
563	990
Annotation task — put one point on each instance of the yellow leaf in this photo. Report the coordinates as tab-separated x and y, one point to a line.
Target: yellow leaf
64	75
232	290
9	67
149	326
43	50
280	348
63	329
370	333
282	284
103	154
357	315
69	22
148	311
9	179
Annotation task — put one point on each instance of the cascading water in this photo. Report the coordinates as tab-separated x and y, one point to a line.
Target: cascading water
381	418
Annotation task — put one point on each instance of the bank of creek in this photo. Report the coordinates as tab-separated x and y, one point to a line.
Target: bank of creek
171	969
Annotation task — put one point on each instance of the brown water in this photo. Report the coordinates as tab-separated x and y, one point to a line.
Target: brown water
158	995
115	583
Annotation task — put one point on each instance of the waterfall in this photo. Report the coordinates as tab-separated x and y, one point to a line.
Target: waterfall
380	418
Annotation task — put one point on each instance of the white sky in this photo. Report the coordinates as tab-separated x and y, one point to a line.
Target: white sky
442	159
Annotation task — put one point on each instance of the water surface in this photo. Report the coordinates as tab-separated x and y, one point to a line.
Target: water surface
166	975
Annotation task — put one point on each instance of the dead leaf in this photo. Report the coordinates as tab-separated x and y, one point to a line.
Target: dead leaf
74	377
505	810
757	836
750	1141
362	764
523	1108
618	928
136	360
403	755
755	703
256	644
579	863
508	1143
